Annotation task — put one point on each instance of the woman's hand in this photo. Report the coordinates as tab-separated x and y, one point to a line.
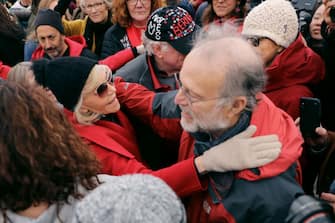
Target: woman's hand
318	143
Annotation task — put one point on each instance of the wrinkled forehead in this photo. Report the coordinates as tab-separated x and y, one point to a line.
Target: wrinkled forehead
201	73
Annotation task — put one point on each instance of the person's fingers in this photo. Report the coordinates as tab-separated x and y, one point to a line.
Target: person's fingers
268	154
321	131
266	146
263	161
297	122
263	139
247	133
328	197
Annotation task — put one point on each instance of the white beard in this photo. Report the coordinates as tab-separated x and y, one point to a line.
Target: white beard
207	123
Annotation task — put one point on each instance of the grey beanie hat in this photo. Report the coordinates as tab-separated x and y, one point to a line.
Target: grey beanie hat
137	198
274	19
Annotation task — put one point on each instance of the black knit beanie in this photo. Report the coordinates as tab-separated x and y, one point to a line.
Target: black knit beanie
64	76
49	17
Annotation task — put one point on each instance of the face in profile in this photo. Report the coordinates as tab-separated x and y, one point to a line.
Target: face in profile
171	60
102	98
265	47
198	98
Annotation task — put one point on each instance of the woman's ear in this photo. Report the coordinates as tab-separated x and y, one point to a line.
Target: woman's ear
280	49
83	110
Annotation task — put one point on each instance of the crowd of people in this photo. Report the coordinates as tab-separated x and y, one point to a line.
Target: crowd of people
163	111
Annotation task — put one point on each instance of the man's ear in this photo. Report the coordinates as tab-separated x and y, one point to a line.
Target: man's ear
238	105
157	50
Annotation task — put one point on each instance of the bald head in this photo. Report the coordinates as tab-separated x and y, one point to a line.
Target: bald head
223	52
231	62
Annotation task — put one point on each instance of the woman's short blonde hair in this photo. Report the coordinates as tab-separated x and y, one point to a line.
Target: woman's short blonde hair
92	82
120	13
109	4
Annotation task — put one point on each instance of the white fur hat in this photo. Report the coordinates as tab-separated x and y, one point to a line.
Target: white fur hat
274	19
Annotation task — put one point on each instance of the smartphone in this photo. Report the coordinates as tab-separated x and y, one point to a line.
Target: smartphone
310	115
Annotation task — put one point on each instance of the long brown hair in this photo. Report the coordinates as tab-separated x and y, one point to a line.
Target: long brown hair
8	27
42	158
121	14
209	14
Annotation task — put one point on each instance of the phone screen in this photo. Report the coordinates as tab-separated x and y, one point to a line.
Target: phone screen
310	115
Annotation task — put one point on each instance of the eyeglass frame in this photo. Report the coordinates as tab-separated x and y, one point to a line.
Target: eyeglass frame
189	97
254	40
104	86
134	2
94	5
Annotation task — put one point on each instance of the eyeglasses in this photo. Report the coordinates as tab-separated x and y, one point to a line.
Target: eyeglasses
102	89
94	6
191	100
254	40
134	2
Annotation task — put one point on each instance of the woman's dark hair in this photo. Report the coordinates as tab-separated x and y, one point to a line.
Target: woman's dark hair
8	27
42	158
209	14
121	14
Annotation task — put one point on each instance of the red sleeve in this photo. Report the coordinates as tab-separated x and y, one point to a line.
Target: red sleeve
182	177
138	100
4	69
117	60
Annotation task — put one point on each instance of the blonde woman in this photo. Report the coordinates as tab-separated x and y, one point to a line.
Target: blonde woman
89	97
93	26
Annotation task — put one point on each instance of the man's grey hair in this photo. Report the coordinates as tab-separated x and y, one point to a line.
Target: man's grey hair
148	44
234	58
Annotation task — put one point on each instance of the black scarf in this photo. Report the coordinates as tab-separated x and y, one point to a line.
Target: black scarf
98	31
220	183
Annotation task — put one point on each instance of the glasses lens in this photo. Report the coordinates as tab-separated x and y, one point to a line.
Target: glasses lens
176	76
110	78
254	41
102	89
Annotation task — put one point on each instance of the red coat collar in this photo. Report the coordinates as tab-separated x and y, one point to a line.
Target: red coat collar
296	65
271	120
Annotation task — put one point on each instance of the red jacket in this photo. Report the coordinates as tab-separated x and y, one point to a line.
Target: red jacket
116	147
291	74
268	120
76	45
264	201
4	69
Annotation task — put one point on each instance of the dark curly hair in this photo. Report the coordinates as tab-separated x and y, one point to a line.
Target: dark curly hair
121	14
42	158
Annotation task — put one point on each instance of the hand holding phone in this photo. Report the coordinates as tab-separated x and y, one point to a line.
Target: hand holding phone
310	115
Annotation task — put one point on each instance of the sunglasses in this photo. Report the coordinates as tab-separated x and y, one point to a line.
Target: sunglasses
253	40
102	89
